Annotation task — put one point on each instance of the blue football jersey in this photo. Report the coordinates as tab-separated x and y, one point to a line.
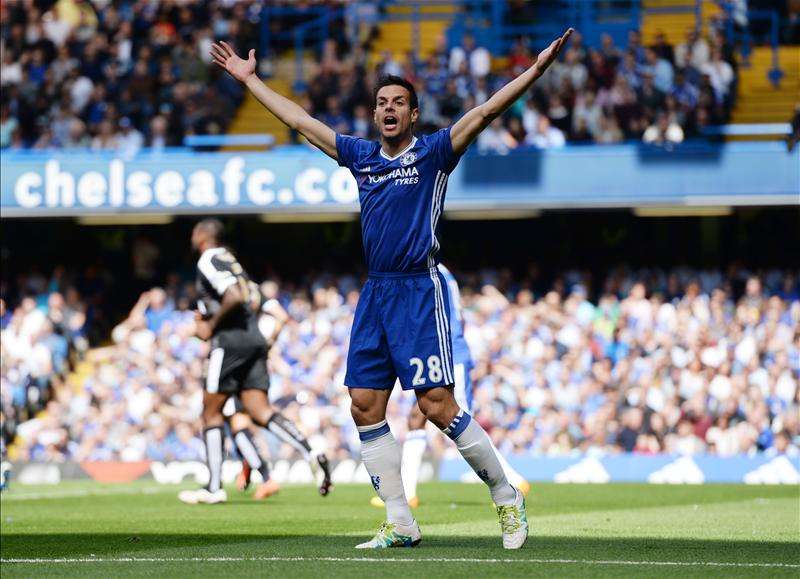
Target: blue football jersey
461	353
401	198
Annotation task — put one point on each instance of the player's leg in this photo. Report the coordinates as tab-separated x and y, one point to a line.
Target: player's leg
256	403
251	456
414	446
237	421
421	347
213	424
516	479
440	407
463	394
413	450
370	378
382	458
224	364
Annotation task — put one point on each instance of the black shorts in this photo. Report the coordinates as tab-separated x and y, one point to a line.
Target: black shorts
238	361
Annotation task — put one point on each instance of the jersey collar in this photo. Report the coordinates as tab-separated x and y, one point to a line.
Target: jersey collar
403	152
211	252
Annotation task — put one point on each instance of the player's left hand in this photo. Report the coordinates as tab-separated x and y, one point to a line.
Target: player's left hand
202	329
549	54
239	68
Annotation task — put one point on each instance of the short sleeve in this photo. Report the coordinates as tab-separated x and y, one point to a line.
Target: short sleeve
442	146
347	150
217	272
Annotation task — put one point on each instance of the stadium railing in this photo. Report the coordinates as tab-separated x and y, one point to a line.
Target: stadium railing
247	140
488	21
744	38
749	130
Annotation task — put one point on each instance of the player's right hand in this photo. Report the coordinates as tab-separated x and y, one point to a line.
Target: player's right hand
238	68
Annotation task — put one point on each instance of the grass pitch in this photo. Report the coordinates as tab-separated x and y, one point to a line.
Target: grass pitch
625	530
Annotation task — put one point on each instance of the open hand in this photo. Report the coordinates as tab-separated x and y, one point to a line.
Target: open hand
549	54
238	68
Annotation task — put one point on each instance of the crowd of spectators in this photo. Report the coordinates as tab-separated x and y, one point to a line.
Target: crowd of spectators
41	337
680	361
659	94
115	76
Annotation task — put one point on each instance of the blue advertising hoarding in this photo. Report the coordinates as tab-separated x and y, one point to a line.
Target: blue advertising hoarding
299	179
658	469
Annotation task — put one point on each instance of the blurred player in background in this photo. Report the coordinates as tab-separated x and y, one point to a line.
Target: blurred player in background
416	440
401	327
241	434
237	363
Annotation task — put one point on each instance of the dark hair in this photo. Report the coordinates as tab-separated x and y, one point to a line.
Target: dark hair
390	80
212	227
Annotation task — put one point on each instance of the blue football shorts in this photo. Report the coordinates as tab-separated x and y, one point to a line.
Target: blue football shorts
401	330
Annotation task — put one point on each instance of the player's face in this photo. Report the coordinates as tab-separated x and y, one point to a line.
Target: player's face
394	116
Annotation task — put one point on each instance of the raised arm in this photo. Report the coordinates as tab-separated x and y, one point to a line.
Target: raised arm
290	113
468	127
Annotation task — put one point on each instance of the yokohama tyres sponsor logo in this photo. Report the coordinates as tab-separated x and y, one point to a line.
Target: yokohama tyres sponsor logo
396	174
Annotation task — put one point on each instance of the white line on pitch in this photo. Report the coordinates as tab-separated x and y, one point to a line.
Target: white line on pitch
42	561
79	493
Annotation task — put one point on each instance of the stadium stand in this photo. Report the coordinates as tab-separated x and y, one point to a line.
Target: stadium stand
115	76
119	76
687	361
680	361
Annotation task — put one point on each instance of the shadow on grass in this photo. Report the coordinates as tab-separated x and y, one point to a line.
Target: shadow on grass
445	546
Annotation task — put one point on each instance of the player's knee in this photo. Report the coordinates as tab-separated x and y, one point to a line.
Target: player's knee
365	409
438	406
257	406
361	412
212	417
239	421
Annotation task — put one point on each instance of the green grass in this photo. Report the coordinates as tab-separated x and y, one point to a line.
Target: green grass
576	530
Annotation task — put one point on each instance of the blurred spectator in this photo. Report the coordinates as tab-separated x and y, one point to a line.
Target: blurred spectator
608	131
158	137
129	140
8	125
694	52
660	69
477	58
663	48
546	136
663	131
720	73
496	138
106	139
333	116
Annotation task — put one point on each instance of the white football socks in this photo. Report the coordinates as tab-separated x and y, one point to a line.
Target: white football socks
512	475
413	449
247	448
474	445
213	440
381	455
